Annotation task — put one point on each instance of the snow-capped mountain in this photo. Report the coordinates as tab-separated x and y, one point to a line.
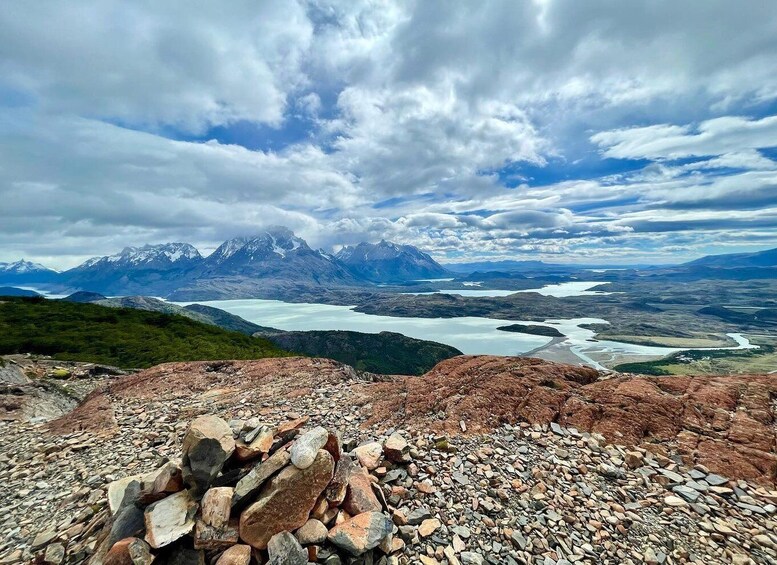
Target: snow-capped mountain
26	271
276	254
22	266
136	270
389	262
275	242
163	256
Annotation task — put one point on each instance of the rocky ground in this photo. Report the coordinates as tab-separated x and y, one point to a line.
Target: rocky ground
37	389
509	467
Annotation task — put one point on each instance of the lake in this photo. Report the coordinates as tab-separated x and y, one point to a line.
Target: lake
561	290
470	335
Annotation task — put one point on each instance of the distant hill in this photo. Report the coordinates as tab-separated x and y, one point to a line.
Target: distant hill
532	267
224	319
390	262
197	312
386	353
13	291
758	259
118	336
84	296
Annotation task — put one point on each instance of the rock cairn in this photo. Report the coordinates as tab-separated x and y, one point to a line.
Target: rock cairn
248	492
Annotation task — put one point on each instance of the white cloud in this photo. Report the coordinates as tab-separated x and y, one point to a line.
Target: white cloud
156	63
718	136
413	109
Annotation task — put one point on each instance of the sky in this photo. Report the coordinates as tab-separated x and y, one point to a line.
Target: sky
602	131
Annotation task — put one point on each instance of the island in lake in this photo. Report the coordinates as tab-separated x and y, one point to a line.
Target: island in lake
532	330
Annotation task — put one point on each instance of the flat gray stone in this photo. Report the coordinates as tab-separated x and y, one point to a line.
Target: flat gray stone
284	549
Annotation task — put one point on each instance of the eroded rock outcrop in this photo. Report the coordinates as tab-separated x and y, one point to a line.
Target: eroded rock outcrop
725	423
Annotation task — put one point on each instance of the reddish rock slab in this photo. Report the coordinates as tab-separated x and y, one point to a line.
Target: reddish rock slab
285	502
359	497
361	533
723	422
128	551
239	554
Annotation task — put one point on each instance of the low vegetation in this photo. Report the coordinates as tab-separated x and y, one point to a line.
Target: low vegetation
712	362
385	353
118	336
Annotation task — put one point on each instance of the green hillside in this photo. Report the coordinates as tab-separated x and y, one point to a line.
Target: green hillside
385	352
118	336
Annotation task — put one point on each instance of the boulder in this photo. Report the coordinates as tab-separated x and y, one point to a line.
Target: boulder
361	533
334	445
285	502
397	449
259	445
239	554
304	450
312	532
216	506
290	428
360	497
129	551
170	519
338	487
120	488
247	487
207	445
284	549
160	483
369	454
128	522
209	537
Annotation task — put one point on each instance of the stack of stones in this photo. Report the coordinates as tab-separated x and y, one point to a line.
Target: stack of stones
255	494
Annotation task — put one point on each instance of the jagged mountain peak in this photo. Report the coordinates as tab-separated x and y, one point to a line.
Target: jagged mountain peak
152	256
22	267
389	261
276	240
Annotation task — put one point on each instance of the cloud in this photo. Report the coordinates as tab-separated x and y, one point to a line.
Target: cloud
719	136
157	64
552	128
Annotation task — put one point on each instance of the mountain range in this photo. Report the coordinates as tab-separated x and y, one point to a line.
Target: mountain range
277	264
272	263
